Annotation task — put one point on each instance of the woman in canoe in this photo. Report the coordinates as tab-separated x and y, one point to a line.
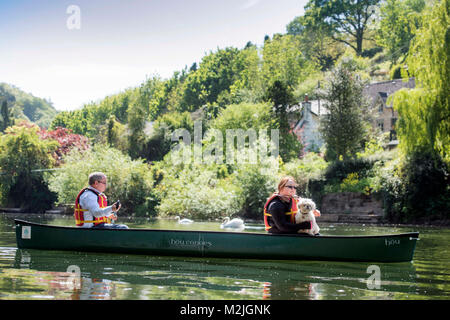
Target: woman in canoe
281	207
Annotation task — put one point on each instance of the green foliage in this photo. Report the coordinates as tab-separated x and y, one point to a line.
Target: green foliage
353	183
339	170
315	41
217	72
210	189
256	184
398	20
308	87
137	115
374	145
160	141
115	132
244	116
249	88
6	116
280	94
343	128
28	107
310	168
424	112
346	20
417	188
23	156
196	191
284	62
128	180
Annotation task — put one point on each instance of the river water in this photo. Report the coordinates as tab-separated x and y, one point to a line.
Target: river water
44	275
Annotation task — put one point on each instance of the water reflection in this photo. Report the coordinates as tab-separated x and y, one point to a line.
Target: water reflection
44	275
36	274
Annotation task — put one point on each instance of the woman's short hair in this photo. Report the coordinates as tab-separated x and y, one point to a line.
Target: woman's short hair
96	176
284	181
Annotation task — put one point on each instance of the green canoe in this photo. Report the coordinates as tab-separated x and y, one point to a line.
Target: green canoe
380	248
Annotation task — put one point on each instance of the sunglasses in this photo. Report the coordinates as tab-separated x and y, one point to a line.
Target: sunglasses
101	182
290	187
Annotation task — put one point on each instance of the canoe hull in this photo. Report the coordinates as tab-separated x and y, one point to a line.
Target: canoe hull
386	248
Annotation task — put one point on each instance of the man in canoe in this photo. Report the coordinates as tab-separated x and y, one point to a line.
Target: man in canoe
91	205
281	207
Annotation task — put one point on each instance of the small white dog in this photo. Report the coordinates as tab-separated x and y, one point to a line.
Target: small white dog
307	212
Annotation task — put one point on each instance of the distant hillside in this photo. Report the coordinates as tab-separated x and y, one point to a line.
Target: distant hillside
26	106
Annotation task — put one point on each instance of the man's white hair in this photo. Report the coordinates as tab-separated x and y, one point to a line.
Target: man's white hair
96	176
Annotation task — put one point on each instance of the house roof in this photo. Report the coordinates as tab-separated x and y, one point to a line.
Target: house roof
382	90
314	107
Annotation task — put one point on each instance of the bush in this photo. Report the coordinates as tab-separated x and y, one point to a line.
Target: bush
23	158
417	188
256	185
128	180
339	170
195	191
304	171
361	175
210	190
427	189
354	184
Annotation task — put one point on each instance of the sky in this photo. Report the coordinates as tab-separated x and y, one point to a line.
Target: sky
77	51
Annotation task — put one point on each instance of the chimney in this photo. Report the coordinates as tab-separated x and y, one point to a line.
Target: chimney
306	107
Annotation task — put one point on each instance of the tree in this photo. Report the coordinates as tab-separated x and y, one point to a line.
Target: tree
214	77
343	128
23	156
398	19
424	112
5	113
283	61
347	21
282	98
315	42
137	115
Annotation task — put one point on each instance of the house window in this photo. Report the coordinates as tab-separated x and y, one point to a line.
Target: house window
383	96
393	122
380	125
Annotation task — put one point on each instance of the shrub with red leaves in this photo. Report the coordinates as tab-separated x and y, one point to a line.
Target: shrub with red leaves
67	141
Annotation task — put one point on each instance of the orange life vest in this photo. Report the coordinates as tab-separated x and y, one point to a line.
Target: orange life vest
291	213
79	211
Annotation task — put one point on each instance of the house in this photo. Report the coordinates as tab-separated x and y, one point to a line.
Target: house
306	125
305	118
385	117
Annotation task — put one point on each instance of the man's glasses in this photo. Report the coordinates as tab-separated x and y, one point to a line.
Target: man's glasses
101	182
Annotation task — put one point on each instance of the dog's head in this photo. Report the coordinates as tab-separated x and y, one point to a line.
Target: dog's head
306	205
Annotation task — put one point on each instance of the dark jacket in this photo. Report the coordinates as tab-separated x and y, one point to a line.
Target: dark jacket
279	221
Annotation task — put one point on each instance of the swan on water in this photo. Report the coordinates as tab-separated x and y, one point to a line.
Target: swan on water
236	223
184	221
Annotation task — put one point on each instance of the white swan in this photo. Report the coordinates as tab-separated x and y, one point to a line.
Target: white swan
236	223
184	221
